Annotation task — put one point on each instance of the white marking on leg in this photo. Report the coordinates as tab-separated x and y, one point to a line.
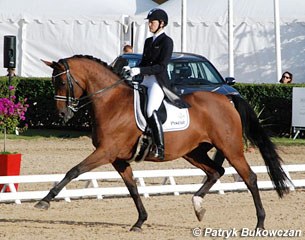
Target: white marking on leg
198	207
197	203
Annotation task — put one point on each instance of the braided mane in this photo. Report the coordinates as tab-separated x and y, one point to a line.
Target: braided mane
91	58
96	60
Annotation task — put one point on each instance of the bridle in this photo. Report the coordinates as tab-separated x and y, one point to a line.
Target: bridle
72	102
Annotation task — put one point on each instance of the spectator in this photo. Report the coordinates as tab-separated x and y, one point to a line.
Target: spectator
11	72
127	49
118	64
286	78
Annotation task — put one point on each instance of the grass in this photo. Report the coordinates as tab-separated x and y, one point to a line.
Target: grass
288	141
55	133
47	133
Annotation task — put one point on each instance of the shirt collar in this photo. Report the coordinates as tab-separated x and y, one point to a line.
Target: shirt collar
157	34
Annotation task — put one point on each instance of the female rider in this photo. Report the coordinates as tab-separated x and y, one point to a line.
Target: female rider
156	56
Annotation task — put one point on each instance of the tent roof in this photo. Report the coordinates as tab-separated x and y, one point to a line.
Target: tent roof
197	10
244	10
29	10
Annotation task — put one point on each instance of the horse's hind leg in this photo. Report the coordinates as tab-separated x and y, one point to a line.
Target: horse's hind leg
250	179
125	171
199	158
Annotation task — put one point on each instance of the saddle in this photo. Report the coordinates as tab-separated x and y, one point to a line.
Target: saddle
172	118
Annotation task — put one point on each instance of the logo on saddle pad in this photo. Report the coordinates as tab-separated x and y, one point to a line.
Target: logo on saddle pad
177	119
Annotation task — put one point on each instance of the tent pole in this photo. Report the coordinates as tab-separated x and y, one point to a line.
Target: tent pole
183	25
277	40
21	45
230	38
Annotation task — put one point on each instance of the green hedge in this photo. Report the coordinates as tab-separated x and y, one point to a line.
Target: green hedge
42	111
272	102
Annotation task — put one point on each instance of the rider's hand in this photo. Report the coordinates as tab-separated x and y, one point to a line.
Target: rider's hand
135	71
126	72
126	69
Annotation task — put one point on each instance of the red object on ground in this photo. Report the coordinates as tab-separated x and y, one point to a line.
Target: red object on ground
10	166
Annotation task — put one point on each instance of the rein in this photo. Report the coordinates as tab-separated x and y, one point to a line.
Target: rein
73	102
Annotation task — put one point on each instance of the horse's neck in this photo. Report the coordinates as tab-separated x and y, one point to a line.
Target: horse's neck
112	114
100	79
107	95
110	94
112	109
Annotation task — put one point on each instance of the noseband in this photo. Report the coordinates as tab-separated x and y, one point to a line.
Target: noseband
72	102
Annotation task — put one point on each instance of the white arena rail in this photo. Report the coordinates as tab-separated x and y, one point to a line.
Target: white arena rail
94	182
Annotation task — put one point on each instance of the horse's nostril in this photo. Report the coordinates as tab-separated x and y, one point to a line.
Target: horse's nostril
62	114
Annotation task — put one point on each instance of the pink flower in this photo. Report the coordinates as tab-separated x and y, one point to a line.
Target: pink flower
11	113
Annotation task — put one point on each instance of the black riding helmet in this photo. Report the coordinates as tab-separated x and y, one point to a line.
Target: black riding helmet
158	14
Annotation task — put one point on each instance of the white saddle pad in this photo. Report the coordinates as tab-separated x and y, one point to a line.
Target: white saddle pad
177	119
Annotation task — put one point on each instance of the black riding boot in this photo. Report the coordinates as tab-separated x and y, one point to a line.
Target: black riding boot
157	134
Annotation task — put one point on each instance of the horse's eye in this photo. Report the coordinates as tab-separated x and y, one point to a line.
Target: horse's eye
59	82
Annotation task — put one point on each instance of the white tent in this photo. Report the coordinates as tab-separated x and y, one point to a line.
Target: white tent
254	35
53	29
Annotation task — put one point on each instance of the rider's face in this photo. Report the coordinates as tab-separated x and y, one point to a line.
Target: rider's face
154	25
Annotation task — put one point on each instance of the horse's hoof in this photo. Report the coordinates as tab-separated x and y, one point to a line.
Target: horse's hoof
136	229
199	210
42	205
200	214
260	228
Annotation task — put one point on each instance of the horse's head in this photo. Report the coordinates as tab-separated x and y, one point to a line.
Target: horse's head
67	92
91	77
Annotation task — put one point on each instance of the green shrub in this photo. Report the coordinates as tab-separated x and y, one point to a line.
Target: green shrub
273	103
42	112
276	102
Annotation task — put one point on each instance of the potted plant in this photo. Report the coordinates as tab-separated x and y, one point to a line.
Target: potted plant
12	113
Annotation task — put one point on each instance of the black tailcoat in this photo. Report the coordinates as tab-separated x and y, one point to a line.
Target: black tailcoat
156	56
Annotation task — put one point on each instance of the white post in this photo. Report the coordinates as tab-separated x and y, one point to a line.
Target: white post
183	25
230	38
126	32
22	46
277	40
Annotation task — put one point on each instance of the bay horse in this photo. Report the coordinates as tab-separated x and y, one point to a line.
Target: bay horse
214	122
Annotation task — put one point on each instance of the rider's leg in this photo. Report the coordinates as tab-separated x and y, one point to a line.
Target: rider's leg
155	94
157	134
155	98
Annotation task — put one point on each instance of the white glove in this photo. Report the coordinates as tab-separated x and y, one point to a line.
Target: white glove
126	69
126	73
135	71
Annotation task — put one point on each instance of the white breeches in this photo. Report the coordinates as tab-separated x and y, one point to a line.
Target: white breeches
154	92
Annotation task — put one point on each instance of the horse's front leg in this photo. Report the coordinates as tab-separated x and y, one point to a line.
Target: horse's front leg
92	161
125	171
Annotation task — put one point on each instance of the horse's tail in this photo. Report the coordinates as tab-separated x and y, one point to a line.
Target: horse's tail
255	133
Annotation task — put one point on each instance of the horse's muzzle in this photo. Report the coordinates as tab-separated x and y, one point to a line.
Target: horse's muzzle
66	114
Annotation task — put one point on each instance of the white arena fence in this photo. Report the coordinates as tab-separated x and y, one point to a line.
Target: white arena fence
101	184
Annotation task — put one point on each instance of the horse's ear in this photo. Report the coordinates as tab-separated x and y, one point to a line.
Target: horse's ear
50	64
